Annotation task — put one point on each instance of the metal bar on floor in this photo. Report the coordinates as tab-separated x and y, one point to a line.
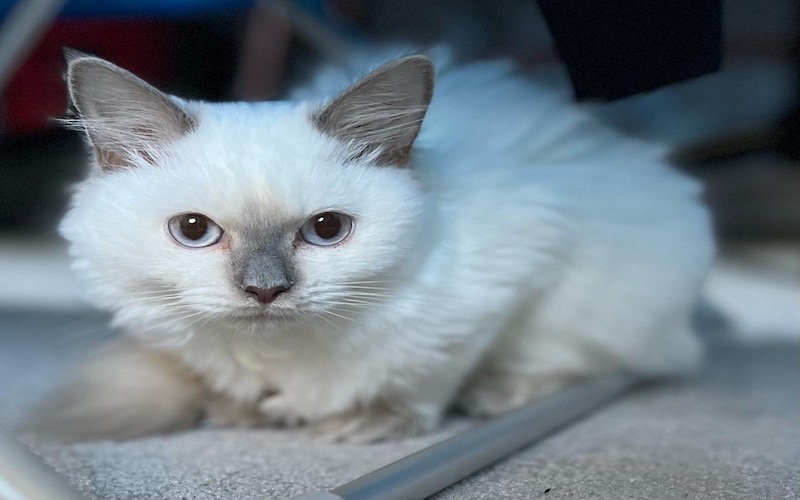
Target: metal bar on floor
434	468
24	476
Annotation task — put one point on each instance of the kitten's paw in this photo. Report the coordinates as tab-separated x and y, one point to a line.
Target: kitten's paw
490	394
222	411
368	425
276	410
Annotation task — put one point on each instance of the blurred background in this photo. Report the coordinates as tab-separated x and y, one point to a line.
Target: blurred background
729	107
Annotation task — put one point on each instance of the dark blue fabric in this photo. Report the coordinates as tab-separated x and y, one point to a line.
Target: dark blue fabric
147	8
616	48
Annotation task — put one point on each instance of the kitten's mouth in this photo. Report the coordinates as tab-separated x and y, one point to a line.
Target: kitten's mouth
263	314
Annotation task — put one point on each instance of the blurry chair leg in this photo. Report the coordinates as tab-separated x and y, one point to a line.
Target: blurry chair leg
23	27
262	60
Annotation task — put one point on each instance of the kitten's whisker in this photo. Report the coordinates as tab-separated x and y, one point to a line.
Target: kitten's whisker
355	307
366	295
341	316
351	300
184	316
360	303
370	294
386	291
366	287
151	292
348	288
198	317
157	291
155	297
329	322
365	291
367	282
167	305
175	299
364	281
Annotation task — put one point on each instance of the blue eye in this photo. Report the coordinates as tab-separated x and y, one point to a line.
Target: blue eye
326	228
194	230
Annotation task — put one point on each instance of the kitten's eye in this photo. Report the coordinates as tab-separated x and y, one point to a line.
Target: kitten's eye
194	230
327	228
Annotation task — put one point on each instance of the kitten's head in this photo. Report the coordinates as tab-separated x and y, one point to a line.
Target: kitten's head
197	211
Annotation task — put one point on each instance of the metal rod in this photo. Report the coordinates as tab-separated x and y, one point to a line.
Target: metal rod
316	34
19	34
434	468
24	476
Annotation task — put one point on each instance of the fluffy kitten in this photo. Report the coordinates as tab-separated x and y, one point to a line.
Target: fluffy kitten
331	263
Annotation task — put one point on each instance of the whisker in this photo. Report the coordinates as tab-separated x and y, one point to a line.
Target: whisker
357	303
199	317
358	282
370	294
338	315
366	287
329	322
175	300
153	291
351	300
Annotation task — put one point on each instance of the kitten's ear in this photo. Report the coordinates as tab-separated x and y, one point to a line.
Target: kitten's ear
126	119
383	112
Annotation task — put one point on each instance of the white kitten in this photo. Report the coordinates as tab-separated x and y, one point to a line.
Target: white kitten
301	262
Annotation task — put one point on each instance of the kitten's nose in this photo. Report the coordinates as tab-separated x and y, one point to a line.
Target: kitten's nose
265	295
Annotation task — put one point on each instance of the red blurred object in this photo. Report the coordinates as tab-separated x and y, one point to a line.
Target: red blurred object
37	91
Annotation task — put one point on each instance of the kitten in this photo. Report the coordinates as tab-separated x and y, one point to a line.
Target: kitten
342	264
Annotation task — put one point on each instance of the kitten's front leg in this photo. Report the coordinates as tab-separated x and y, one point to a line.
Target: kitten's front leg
520	370
276	409
376	422
362	424
386	417
221	410
494	393
373	397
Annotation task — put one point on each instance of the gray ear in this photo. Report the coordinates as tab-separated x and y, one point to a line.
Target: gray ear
125	119
382	113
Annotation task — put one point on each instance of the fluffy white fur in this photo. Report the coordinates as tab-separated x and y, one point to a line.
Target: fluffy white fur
525	247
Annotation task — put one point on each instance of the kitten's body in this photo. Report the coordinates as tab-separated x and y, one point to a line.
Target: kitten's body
525	246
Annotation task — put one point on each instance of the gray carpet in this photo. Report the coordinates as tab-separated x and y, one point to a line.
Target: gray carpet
731	433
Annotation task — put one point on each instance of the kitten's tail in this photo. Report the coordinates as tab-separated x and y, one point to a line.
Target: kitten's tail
123	391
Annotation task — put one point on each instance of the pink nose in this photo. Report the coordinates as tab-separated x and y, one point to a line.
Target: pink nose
265	295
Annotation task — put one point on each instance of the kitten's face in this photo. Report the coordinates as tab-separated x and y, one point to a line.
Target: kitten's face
251	213
258	179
